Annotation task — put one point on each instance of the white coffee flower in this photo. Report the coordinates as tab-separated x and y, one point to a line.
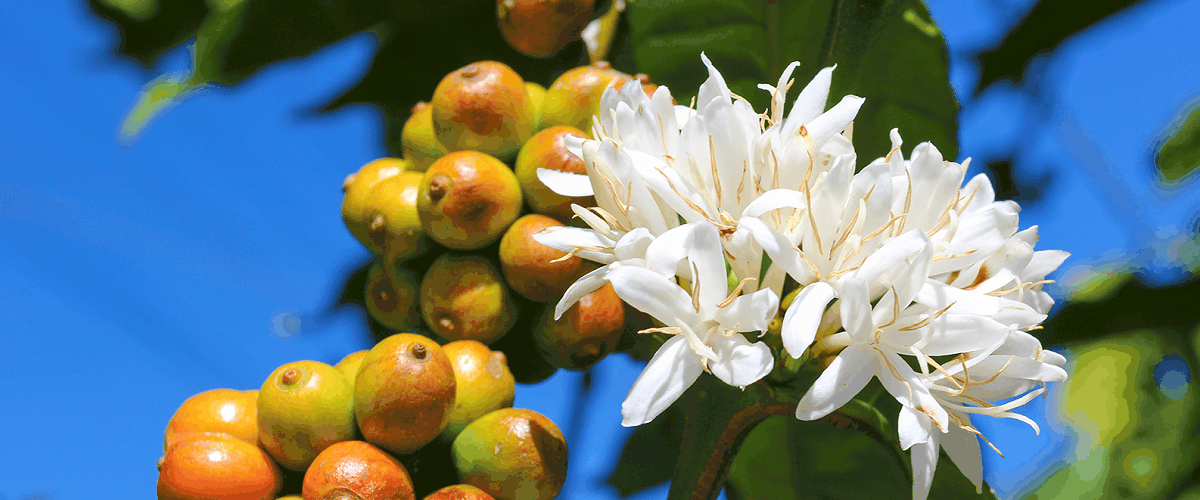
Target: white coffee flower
705	323
714	164
921	265
965	386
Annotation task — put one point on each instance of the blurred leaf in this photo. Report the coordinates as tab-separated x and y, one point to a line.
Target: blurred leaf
648	457
428	42
784	458
161	94
149	28
887	51
1047	25
420	42
167	91
1179	155
1136	427
269	31
1097	282
1011	186
1120	301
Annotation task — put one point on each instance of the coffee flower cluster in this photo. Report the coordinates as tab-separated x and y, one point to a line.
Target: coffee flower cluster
898	264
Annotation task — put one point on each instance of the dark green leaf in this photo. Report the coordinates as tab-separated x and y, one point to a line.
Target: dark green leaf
1044	28
887	51
648	458
784	458
149	28
429	41
1179	155
1126	303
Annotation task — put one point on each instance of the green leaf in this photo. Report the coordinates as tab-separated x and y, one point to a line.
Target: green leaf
1123	302
887	51
415	54
648	457
149	28
784	458
1136	440
167	91
1179	154
1047	25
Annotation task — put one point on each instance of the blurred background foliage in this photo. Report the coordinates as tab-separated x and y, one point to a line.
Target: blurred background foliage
1132	337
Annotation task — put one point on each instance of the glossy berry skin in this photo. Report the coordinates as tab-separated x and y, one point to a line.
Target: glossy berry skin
484	384
404	393
463	297
356	470
467	200
417	140
217	466
541	28
512	454
547	149
528	265
586	332
483	107
225	411
459	492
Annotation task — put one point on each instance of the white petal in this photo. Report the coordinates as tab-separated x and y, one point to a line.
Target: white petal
674	190
1043	263
633	244
652	294
1053	358
566	183
811	102
856	310
980	193
709	262
749	313
906	386
683	114
848	374
781	250
742	363
823	127
713	88
958	333
924	463
803	317
1017	313
664	253
670	372
595	222
908	282
937	295
890	256
566	238
1016	367
963	448
774	199
586	284
981	233
574	144
913	427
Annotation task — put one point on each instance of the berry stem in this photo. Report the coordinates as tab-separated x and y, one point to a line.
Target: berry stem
717	420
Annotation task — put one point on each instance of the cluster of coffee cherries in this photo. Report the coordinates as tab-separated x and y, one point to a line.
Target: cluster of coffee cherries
452	223
385	423
464	291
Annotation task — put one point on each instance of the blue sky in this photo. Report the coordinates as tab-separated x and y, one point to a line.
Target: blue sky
135	275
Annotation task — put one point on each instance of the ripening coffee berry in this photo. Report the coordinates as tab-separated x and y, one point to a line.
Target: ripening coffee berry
483	107
541	28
